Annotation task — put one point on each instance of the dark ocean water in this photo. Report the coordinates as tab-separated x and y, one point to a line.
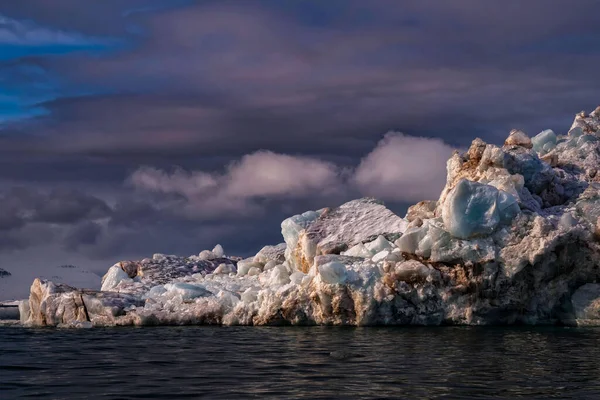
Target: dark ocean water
315	363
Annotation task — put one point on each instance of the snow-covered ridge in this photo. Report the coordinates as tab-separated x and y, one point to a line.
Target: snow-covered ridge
513	238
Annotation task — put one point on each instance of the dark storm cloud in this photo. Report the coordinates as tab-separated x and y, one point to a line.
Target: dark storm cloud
85	233
207	85
232	78
30	217
59	206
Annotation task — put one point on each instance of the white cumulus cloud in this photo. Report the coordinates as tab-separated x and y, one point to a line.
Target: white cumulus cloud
400	168
404	168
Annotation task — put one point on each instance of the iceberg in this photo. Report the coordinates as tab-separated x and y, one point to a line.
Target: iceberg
514	237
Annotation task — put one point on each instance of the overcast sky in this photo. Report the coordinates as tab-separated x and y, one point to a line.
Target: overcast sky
130	127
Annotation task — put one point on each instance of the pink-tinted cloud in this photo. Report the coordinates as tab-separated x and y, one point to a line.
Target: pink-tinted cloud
401	168
404	168
260	175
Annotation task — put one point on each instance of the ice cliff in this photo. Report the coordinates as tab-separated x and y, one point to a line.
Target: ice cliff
513	238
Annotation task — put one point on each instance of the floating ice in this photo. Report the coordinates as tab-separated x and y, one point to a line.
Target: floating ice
512	238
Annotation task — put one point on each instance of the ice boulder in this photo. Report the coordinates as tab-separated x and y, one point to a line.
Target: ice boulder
359	250
113	277
378	245
271	253
278	275
155	291
187	291
475	209
244	266
544	141
340	228
291	228
518	138
206	255
333	272
413	271
218	251
382	255
224	269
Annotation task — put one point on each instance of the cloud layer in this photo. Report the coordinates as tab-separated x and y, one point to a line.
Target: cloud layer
401	168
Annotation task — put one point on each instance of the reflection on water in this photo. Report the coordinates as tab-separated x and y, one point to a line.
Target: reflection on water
316	362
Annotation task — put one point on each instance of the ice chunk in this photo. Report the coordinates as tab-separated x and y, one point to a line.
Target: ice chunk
512	184
382	255
413	271
567	221
244	266
359	250
576	132
113	277
206	255
218	251
224	269
250	295
343	227
409	241
155	292
379	244
475	209
333	272
278	276
586	139
297	277
187	291
269	265
228	300
544	141
518	138
291	227
508	206
271	253
588	205
253	271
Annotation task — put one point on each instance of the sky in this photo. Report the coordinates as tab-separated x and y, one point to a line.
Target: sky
133	127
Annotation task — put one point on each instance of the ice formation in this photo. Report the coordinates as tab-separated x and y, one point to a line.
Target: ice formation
512	238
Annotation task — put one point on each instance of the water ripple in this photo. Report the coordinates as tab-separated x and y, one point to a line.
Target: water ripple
315	363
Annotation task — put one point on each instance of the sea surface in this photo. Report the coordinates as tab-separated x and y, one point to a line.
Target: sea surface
308	363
